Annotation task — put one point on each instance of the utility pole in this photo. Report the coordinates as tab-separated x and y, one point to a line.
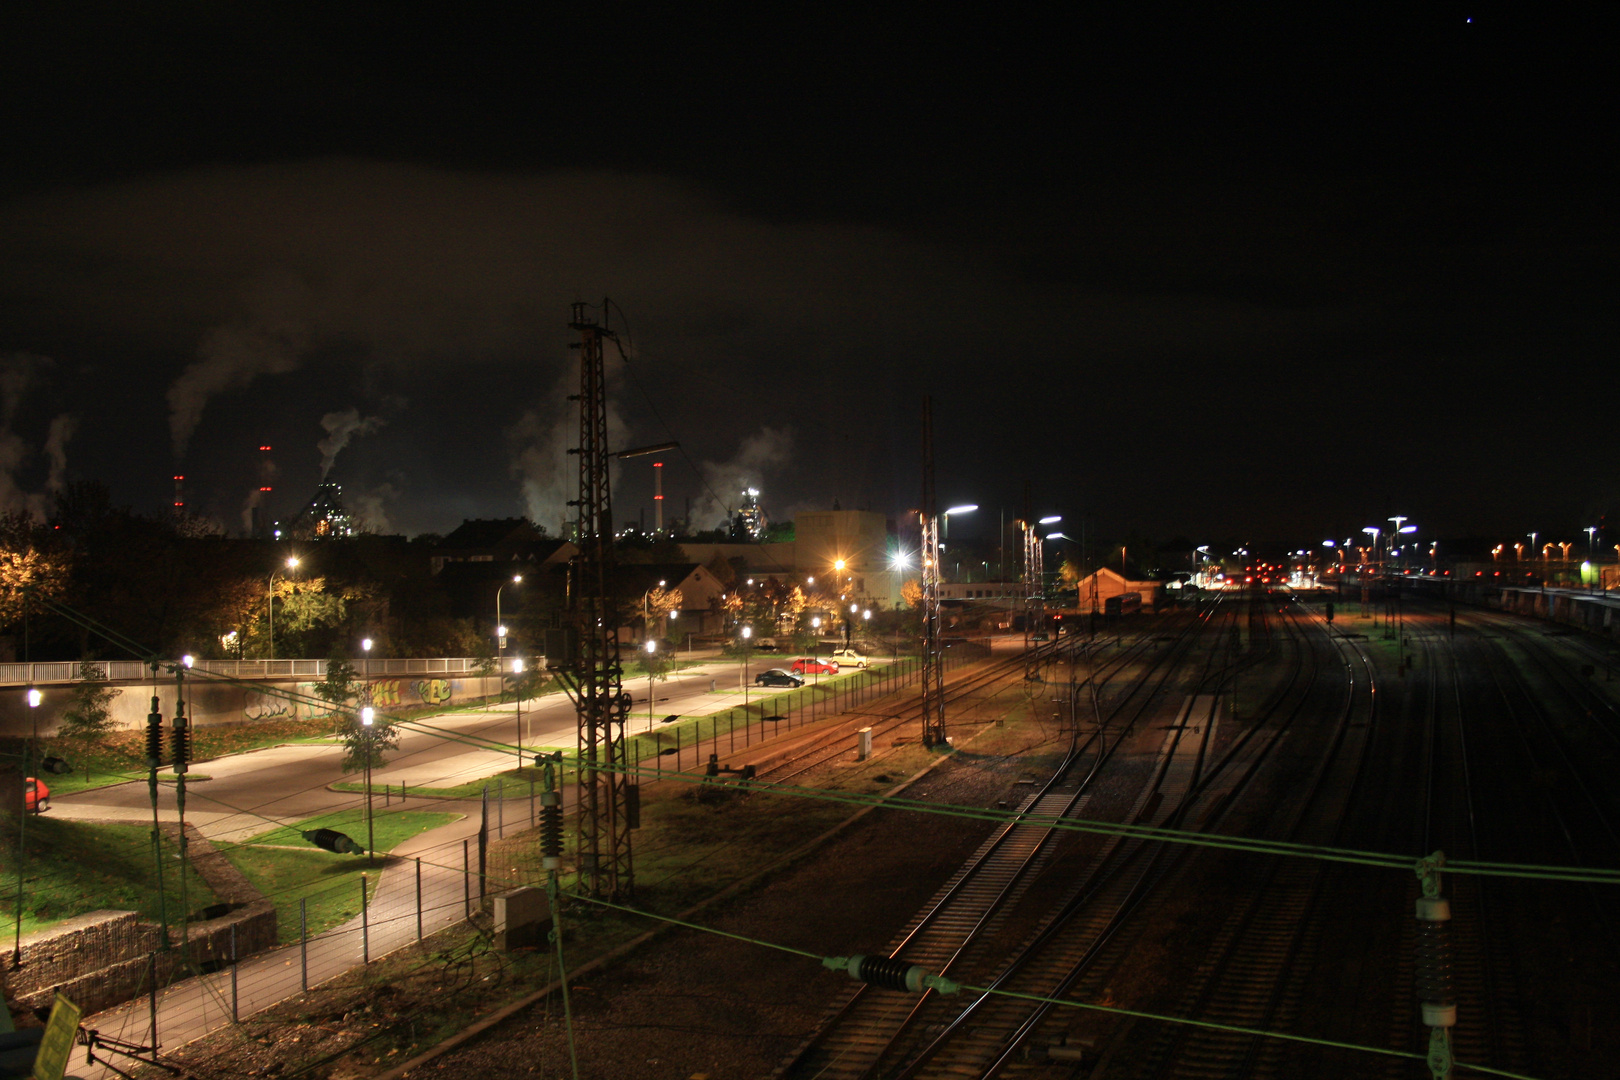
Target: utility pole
1033	575
933	679
588	665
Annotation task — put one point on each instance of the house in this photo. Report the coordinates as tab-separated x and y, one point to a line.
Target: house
501	540
1095	589
700	597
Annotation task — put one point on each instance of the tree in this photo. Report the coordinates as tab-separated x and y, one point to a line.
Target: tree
25	566
88	719
363	746
339	689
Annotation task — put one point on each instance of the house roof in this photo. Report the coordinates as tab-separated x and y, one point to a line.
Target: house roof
478	534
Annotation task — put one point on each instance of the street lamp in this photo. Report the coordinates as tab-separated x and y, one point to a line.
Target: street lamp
270	602
517	692
747	632
500	629
945	519
652	651
367	716
1373	531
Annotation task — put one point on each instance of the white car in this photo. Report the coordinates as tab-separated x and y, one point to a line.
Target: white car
848	658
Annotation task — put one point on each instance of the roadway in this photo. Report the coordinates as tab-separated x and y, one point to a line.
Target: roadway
246	794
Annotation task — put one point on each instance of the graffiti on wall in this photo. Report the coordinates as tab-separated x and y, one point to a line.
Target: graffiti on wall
262	706
387	693
433	691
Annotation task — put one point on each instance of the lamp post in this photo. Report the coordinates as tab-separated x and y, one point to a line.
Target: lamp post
270	602
815	624
747	632
652	650
500	635
367	716
517	692
945	519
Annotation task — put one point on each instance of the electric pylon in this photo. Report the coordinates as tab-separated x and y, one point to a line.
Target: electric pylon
1034	588
933	677
591	669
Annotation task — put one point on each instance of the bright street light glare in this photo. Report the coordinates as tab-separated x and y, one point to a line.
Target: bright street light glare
968	509
1051	519
517	665
1408	528
367	715
34	697
292	562
652	646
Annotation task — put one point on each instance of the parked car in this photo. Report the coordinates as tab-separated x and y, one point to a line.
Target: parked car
849	658
809	665
777	677
765	645
37	795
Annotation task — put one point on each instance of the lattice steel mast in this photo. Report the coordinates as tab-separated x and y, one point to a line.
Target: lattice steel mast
591	669
933	677
1034	579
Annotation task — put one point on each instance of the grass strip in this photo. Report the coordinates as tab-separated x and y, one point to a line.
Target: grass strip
322	885
71	868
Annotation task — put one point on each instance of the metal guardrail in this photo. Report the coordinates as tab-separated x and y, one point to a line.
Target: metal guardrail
66	671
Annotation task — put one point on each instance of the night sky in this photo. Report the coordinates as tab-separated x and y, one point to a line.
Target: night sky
1199	271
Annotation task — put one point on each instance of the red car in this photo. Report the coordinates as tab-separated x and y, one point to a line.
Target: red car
809	665
36	795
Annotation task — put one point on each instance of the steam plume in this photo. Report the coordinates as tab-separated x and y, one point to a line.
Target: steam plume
269	342
340	428
767	449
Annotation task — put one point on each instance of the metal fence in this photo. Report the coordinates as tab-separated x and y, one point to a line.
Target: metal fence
66	671
438	887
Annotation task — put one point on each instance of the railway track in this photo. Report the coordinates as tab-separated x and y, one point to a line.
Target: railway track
1083	938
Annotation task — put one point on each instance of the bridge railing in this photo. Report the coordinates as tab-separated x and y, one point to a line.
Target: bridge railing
66	671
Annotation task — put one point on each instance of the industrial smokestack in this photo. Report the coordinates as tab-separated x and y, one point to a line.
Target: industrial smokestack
179	493
658	497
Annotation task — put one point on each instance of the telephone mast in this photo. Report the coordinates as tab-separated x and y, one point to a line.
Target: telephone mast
589	664
933	678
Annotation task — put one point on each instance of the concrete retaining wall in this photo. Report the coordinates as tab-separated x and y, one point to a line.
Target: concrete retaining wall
107	957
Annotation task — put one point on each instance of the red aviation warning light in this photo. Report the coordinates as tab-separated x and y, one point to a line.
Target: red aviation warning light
179	492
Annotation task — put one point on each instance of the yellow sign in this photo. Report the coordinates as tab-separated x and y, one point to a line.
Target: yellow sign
61	1032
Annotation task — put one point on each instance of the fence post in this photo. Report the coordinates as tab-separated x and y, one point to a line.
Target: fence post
365	924
235	1015
466	879
500	808
531	802
303	940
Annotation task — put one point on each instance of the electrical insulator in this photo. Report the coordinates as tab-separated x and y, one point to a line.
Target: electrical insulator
180	740
551	830
1436	995
891	974
154	736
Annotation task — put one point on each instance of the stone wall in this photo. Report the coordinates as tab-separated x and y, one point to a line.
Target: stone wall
107	957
